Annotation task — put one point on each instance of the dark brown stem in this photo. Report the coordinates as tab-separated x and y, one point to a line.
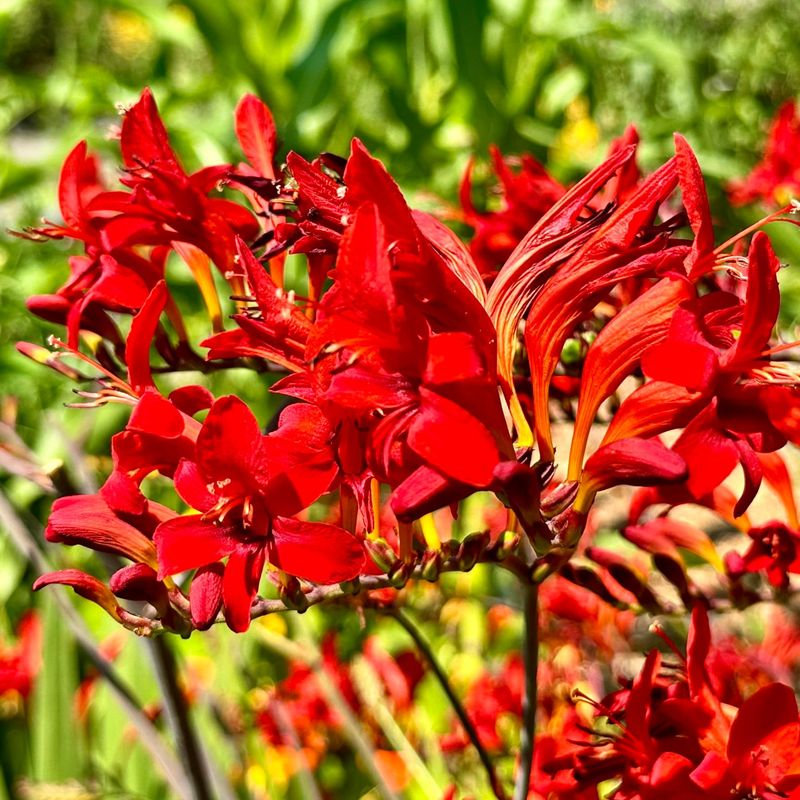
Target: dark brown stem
178	715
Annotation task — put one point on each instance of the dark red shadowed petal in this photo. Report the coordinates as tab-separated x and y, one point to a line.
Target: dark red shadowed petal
315	551
205	595
140	582
753	474
635	462
426	490
89	521
143	329
84	585
453	440
255	130
189	542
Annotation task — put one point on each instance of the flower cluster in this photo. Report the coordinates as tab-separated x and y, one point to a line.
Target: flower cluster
411	378
684	730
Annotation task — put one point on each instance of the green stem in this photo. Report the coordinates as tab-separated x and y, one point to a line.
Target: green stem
529	702
189	747
455	702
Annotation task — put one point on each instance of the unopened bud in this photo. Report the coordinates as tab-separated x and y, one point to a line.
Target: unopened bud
400	574
507	542
381	552
292	595
351	587
449	549
472	548
561	497
431	565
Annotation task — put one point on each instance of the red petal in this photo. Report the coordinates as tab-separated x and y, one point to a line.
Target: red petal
695	201
762	302
188	542
140	582
191	487
255	130
709	454
70	185
143	328
453	440
688	364
315	551
426	490
205	595
635	462
652	409
772	707
144	139
612	356
522	275
191	399
452	356
87	520
698	645
240	584
84	585
229	448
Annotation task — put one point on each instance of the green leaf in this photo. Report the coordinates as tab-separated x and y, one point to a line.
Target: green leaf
56	746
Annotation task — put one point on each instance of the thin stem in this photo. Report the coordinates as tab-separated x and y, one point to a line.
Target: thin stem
189	747
369	689
455	702
529	702
338	593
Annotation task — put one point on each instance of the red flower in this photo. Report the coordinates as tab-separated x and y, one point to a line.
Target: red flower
526	196
776	178
676	739
248	486
19	662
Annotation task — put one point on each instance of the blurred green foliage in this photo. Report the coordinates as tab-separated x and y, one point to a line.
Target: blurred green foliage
425	83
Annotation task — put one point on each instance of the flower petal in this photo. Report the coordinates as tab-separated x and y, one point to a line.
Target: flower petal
189	542
315	551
